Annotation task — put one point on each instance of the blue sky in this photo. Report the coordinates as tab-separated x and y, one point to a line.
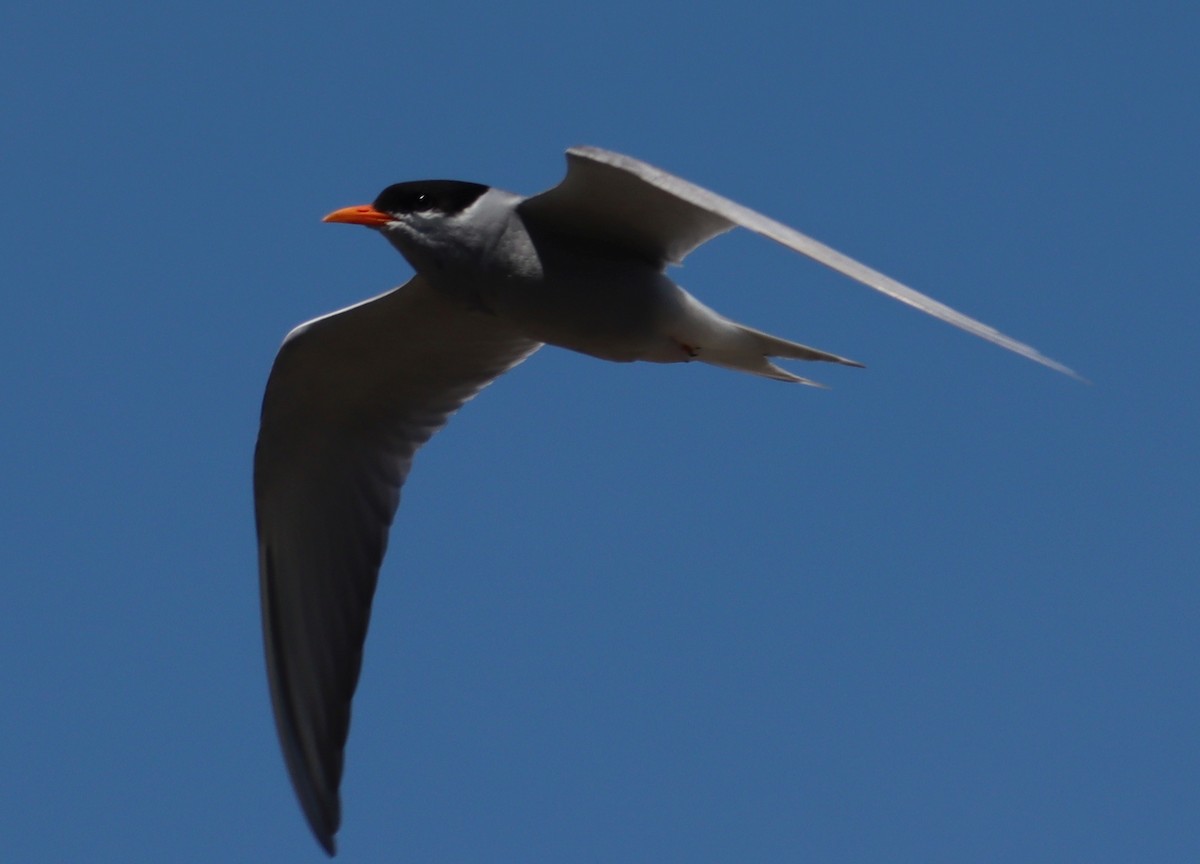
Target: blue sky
945	611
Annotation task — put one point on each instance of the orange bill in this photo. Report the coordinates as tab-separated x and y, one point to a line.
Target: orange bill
362	215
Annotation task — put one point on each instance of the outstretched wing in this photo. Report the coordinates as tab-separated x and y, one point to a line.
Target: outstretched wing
351	397
645	210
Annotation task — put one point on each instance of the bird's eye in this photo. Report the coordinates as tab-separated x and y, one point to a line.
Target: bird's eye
423	203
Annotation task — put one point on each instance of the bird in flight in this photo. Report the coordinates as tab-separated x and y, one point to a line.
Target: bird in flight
353	394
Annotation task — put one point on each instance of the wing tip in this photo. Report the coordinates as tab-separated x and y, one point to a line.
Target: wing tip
327	841
1038	357
1065	370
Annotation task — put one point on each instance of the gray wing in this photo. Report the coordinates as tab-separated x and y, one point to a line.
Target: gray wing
621	200
351	397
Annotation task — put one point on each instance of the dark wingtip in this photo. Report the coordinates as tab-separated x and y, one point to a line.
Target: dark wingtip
327	843
324	825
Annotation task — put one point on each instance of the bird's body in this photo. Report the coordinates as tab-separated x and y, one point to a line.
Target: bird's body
567	289
354	394
556	290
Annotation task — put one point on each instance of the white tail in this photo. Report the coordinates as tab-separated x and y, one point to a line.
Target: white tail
748	351
712	338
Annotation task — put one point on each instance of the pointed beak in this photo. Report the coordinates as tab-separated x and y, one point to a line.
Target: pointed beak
363	215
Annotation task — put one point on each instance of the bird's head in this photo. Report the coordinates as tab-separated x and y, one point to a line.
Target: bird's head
435	224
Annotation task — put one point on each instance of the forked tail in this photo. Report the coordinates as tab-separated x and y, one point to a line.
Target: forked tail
748	350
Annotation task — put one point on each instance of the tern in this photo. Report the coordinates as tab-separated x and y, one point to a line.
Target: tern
353	394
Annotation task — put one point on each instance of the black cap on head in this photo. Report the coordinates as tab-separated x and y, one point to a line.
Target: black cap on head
434	196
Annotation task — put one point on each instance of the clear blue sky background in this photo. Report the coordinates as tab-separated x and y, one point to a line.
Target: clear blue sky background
944	612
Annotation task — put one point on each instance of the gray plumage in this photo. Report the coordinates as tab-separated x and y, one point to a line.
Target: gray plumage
353	394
